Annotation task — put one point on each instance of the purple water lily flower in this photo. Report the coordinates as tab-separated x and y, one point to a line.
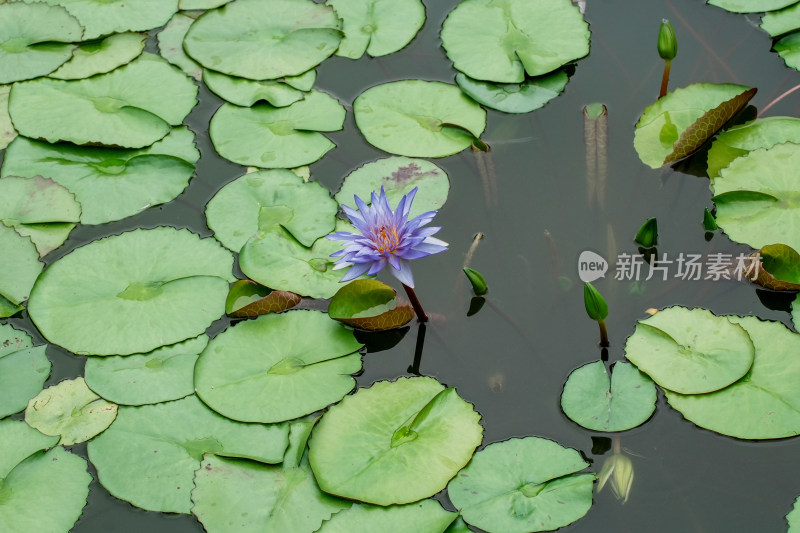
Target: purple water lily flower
386	237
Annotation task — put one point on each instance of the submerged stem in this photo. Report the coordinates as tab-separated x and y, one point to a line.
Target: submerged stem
412	296
778	99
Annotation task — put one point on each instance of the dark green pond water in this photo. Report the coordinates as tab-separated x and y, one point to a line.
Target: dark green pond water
512	363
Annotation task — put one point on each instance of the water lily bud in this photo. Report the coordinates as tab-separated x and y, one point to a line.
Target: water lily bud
667	43
709	222
618	471
596	306
647	236
477	280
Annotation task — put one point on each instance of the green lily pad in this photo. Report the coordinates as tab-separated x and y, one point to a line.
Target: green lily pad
759	207
101	56
7	131
458	526
149	454
794	517
395	442
264	39
23	370
269	199
765	404
132	293
130	107
277	137
38	208
302	82
102	17
248	299
275	259
377	27
110	184
32	478
7	309
201	4
778	268
596	402
162	375
782	21
690	351
743	139
751	6
418	118
170	45
305	366
70	410
370	305
398	176
245	93
232	495
521	486
523	97
502	41
19	265
678	124
427	516
788	48
29	40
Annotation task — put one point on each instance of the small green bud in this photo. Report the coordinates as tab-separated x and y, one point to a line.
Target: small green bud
667	43
709	222
647	236
596	306
477	280
618	470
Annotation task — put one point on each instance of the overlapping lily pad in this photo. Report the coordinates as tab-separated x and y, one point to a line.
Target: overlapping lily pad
19	266
159	376
270	199
741	140
102	17
278	367
275	259
370	305
523	97
788	48
775	267
765	403
418	118
7	131
521	486
677	125
245	93
170	45
398	176
131	107
149	454
201	4
783	21
794	517
690	351
502	41
101	56
283	137
759	207
264	39
248	299
413	432
427	516
596	402
38	208
110	184
751	6
232	495
132	293
377	27
29	40
33	479
70	410
23	370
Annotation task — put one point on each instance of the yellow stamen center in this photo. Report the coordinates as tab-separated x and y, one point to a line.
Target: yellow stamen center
386	239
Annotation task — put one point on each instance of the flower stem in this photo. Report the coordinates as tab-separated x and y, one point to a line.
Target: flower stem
603	333
665	78
412	296
778	99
